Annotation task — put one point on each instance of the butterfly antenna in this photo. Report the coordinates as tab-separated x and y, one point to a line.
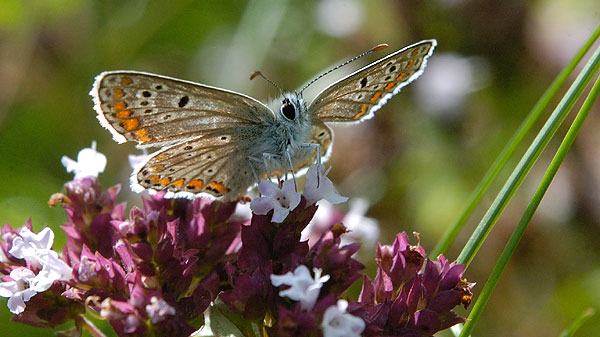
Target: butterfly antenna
258	73
376	48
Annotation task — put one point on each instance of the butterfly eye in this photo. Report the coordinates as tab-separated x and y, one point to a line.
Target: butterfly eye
288	110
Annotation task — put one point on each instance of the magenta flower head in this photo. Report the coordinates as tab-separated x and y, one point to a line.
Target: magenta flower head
407	300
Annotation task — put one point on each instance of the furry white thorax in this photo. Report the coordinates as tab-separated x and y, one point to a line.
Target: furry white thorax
285	132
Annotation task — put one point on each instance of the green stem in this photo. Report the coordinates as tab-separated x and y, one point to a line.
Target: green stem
532	207
570	331
511	147
528	159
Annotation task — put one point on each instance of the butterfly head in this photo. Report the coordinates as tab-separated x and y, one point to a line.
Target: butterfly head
291	107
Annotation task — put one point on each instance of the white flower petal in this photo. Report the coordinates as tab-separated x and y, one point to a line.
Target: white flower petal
281	201
338	323
159	309
7	289
318	186
303	287
16	304
89	163
279	214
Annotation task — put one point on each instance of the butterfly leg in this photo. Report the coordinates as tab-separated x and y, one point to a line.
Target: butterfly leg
289	158
250	160
316	147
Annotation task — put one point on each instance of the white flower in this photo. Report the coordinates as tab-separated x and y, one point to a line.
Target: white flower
135	161
89	163
159	309
53	267
303	287
338	323
24	286
318	186
36	249
28	245
360	228
281	201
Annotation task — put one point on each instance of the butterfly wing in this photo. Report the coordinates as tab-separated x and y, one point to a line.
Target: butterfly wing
155	110
322	135
214	163
206	133
357	96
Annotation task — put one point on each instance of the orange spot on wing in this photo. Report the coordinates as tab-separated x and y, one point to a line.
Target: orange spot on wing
196	184
142	136
363	110
402	75
376	97
126	80
390	86
160	157
165	181
154	178
123	114
410	63
177	183
215	187
156	168
131	124
118	92
119	105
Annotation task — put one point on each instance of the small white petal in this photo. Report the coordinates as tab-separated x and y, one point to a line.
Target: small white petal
16	304
360	228
303	287
89	163
338	323
159	309
281	201
318	186
136	161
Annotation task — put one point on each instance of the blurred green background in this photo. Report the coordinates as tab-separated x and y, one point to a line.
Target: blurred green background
416	162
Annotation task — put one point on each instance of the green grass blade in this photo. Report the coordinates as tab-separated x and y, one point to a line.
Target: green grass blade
570	331
511	147
528	159
532	207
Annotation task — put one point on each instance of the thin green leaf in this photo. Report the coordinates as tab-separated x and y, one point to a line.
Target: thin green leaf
570	331
533	204
528	159
511	147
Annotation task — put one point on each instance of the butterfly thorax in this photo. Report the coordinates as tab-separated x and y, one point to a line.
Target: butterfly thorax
291	126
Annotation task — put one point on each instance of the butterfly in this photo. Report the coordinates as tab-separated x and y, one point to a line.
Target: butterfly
218	142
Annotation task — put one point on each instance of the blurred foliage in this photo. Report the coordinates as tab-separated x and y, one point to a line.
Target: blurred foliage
415	162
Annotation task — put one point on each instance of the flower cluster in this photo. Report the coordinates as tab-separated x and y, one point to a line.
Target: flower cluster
177	265
407	300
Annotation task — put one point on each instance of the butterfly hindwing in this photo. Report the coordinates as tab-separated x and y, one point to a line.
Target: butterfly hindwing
357	96
156	110
321	135
213	163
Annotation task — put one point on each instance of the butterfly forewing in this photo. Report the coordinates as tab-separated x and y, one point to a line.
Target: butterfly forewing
157	110
357	96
